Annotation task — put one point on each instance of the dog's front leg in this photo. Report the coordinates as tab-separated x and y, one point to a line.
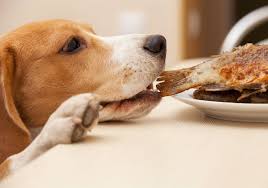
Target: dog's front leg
69	123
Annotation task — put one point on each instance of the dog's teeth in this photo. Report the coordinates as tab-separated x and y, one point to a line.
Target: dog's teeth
154	86
100	107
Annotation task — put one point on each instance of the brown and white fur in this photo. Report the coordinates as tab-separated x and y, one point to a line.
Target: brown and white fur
38	74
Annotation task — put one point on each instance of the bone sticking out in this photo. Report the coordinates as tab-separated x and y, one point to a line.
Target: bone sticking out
177	81
173	82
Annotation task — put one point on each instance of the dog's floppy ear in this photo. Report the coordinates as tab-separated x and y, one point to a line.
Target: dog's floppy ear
14	136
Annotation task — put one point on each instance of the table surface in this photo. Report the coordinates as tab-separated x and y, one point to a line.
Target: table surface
174	146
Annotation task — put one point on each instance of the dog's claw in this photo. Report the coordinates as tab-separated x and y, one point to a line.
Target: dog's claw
89	119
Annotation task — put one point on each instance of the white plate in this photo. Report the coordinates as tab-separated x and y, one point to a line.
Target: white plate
226	110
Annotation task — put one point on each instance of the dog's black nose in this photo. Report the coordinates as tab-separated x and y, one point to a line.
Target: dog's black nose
155	44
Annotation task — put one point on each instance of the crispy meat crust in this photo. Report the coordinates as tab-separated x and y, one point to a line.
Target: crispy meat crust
249	65
245	68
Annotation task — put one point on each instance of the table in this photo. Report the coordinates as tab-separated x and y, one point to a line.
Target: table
176	146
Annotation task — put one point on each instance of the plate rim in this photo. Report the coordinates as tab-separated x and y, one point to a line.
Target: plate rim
191	101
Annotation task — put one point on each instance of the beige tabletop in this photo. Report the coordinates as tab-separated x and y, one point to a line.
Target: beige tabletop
175	146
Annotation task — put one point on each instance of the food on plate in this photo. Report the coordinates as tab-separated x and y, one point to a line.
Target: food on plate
230	96
237	76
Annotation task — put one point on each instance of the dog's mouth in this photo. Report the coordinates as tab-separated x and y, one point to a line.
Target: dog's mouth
150	94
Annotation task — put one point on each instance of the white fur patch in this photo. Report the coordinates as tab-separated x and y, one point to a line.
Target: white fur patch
137	68
58	129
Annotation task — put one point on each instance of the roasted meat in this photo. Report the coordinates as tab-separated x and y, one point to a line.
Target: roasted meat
243	73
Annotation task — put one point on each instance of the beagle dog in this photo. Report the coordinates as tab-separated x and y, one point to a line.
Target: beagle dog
59	79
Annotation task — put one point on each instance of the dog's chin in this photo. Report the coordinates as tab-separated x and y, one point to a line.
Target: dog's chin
134	107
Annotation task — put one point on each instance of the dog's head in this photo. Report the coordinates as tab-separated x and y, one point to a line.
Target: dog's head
53	60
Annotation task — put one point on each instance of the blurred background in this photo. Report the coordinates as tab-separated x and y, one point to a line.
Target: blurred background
193	28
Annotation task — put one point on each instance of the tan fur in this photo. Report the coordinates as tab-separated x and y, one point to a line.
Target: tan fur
14	134
41	72
4	168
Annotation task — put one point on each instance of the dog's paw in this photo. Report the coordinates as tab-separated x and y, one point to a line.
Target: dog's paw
72	120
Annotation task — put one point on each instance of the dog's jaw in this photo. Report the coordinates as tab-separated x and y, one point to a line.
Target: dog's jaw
130	108
135	107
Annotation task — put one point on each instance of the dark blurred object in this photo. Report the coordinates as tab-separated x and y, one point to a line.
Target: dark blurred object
241	8
206	24
244	27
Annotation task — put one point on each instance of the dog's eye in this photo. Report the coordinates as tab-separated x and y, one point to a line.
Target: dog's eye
72	45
